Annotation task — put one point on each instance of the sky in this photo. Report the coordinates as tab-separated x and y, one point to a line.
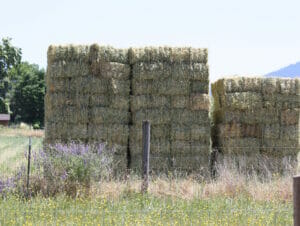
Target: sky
243	37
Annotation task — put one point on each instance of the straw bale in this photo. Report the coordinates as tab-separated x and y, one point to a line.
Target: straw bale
191	164
146	71
289	86
200	133
110	133
271	131
156	132
158	163
149	101
180	101
77	131
239	130
279	147
281	101
102	115
290	116
107	54
78	53
187	117
167	54
158	146
250	117
63	69
291	132
270	85
199	87
165	87
179	147
200	102
111	101
190	133
160	71
239	84
239	145
180	132
57	85
109	70
155	116
243	101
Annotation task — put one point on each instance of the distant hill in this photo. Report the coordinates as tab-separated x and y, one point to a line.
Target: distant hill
291	71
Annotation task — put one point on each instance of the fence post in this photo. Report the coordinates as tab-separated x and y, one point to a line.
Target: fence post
296	197
146	155
28	166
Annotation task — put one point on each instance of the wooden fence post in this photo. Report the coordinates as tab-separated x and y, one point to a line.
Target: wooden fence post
146	155
296	197
28	166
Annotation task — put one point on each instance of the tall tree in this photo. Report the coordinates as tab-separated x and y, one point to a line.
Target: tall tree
27	100
10	56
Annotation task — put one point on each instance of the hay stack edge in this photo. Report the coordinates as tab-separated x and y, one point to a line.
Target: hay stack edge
102	94
256	121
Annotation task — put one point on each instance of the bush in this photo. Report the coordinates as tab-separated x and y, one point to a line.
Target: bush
62	168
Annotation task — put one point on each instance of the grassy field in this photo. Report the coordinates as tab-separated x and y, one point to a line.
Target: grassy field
232	199
13	146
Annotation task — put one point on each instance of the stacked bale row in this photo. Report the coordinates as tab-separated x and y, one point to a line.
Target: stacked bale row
170	88
257	117
87	96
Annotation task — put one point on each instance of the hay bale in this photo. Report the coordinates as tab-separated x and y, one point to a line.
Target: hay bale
181	147
157	147
180	101
107	54
281	101
187	117
159	164
271	131
161	71
102	115
116	134
279	148
165	87
249	117
291	132
201	133
156	132
243	146
57	85
270	85
290	116
63	69
180	132
78	131
236	130
110	70
110	101
149	101
289	86
67	53
200	102
199	87
243	101
187	164
167	54
155	116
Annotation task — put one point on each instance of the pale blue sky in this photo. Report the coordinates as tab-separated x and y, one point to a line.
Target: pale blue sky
251	37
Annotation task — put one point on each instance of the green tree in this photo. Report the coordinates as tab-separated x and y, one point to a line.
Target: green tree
27	100
3	106
10	57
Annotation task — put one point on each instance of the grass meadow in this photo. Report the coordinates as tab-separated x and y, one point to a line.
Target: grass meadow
231	199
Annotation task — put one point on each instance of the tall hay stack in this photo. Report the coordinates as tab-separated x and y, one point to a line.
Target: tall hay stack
87	96
170	88
256	119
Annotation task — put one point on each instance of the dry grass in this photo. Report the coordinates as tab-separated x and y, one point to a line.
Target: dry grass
228	184
24	132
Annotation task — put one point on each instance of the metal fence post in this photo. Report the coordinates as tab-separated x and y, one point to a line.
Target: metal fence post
28	166
146	155
296	197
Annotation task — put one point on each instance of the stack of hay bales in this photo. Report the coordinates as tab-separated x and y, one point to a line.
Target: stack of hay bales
170	89
87	96
256	118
